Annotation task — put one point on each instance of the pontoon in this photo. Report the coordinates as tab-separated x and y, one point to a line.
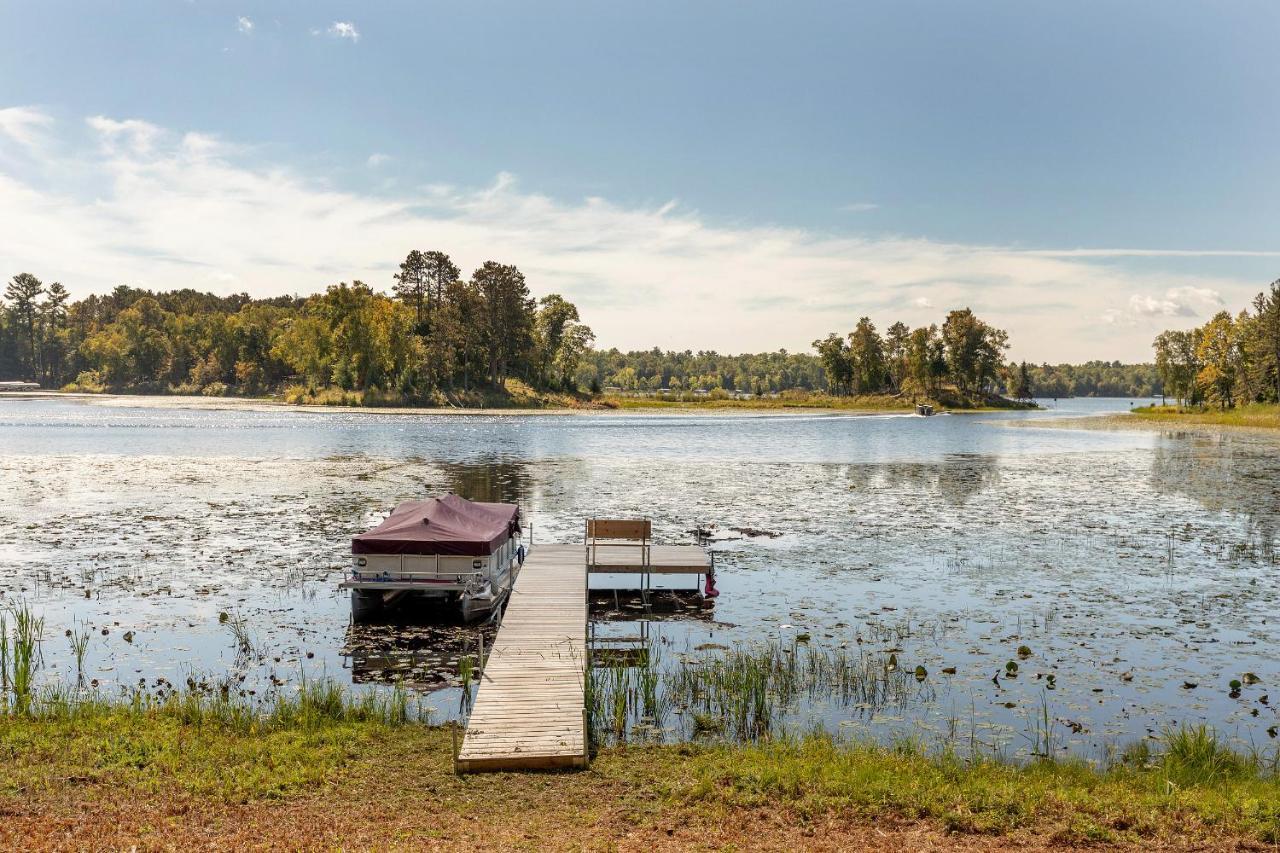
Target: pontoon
448	548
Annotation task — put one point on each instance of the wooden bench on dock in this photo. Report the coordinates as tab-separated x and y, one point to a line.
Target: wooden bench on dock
628	549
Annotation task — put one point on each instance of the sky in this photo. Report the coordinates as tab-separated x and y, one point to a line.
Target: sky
736	176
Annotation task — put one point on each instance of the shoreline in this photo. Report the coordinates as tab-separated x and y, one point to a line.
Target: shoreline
1129	421
261	404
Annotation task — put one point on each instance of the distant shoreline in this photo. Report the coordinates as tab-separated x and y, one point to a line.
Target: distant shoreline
1262	419
192	402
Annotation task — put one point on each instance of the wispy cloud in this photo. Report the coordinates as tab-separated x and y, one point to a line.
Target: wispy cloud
377	159
244	25
344	30
135	135
200	212
24	125
859	207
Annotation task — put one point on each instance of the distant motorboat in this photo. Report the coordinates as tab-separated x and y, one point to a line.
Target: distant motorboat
19	386
924	410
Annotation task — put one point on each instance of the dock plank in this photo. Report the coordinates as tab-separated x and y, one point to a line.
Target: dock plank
528	711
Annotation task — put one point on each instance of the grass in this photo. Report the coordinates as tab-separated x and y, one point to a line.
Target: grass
742	693
1257	415
20	658
370	780
1194	788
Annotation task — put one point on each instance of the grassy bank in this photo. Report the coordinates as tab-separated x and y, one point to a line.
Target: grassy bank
322	771
1257	415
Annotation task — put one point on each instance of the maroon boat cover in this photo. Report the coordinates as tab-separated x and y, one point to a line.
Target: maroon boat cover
447	525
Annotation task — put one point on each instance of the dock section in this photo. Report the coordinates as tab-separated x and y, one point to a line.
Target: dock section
529	711
529	708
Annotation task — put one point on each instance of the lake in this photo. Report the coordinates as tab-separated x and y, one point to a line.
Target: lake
1137	567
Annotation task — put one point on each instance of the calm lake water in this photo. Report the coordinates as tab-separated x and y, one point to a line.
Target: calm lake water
1131	563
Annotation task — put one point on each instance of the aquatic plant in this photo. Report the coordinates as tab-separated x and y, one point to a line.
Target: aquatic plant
1194	755
743	693
20	657
79	641
240	633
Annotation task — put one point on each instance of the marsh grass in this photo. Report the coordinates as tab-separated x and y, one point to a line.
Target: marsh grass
744	694
1257	415
239	628
79	641
20	658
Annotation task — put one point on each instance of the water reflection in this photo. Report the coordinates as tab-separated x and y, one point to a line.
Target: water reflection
424	655
956	478
1224	473
492	481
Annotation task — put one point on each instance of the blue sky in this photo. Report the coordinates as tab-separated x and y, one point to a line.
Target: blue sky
701	174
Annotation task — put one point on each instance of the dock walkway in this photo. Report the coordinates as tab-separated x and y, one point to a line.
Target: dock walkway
529	711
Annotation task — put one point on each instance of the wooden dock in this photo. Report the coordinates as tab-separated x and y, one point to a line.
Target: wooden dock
529	709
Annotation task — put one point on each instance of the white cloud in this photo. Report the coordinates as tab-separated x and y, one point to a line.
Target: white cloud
1176	302
344	30
159	208
859	207
135	135
377	159
25	125
244	25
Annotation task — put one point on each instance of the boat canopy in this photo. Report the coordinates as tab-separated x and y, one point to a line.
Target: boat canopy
449	525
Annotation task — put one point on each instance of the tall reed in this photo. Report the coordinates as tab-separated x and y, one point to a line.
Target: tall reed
23	657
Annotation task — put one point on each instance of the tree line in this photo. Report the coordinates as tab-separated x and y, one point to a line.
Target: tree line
683	371
1095	379
436	333
1228	361
964	352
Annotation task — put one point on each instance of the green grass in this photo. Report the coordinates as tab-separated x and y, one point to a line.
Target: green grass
204	739
1261	415
1198	791
1185	788
742	693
